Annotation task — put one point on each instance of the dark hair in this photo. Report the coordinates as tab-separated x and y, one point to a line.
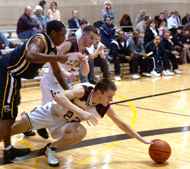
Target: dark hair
105	85
42	3
55	25
146	18
55	3
124	19
90	28
106	17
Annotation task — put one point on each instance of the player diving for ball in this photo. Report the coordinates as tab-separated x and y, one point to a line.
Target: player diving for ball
63	116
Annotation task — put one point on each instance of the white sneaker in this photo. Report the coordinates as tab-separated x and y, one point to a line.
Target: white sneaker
117	78
167	73
177	71
155	74
146	74
51	155
170	73
164	73
135	76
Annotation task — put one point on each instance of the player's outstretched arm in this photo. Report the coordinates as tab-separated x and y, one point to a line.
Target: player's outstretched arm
59	74
125	127
35	49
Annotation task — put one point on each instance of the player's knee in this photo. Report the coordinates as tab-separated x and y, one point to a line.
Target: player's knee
75	132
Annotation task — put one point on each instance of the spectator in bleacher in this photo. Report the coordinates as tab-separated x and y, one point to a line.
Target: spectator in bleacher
169	57
27	26
141	26
165	13
4	42
43	3
97	58
157	52
173	21
53	12
74	21
126	23
160	18
163	16
177	39
162	28
186	43
40	18
107	32
140	16
107	11
83	24
186	19
98	24
120	53
151	32
157	21
140	58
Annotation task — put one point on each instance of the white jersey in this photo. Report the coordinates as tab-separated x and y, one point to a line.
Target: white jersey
53	116
48	83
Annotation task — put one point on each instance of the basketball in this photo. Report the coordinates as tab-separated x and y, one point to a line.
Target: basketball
159	151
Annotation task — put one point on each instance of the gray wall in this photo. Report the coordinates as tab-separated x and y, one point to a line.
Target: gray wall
10	10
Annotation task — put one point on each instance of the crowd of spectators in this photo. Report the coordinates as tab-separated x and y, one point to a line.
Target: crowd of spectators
151	45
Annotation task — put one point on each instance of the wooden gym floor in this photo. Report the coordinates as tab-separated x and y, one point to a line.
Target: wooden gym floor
164	113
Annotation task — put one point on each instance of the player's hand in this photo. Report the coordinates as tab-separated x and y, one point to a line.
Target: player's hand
91	118
83	58
148	142
62	58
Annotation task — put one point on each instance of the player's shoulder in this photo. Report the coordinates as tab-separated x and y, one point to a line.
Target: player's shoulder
82	88
38	39
83	85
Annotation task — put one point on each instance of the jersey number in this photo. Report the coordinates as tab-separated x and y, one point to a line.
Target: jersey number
69	115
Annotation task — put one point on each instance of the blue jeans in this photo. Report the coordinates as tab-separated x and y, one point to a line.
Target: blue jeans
26	34
4	40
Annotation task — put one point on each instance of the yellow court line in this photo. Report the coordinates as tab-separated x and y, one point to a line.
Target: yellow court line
132	108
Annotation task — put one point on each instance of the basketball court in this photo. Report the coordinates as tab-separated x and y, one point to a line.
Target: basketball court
159	109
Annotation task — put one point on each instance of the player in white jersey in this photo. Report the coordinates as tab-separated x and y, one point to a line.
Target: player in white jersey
63	116
70	69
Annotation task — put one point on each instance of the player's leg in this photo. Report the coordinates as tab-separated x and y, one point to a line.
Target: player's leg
46	97
21	126
71	133
9	101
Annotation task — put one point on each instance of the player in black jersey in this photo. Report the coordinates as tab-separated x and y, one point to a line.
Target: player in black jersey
24	62
84	102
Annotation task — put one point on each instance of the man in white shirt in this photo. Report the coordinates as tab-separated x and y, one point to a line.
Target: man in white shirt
83	24
173	21
97	58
